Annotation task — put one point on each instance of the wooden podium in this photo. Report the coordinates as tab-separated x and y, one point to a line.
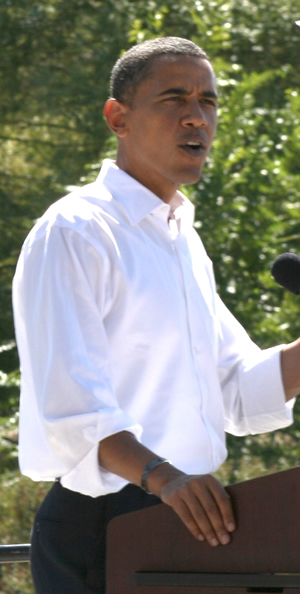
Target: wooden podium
151	552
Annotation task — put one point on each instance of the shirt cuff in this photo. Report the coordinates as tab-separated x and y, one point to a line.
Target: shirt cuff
265	407
87	477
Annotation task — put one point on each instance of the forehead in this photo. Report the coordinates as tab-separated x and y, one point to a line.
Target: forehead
170	71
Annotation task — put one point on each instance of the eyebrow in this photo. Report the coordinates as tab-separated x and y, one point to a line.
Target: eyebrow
182	91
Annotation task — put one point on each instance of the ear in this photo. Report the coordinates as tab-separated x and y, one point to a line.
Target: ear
115	113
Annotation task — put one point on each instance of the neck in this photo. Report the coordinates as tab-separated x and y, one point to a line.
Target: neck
164	191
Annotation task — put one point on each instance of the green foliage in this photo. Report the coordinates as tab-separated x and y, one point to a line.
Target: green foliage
264	454
55	64
54	70
247	203
19	500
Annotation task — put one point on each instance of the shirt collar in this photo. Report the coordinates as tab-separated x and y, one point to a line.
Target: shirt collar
138	201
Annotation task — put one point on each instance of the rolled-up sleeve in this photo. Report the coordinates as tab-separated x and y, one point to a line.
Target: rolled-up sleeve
68	403
251	381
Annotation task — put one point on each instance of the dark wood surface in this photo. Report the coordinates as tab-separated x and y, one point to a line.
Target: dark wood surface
267	541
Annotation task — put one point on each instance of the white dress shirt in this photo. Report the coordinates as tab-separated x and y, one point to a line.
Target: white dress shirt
119	327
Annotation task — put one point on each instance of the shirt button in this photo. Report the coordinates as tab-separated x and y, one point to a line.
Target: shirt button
164	208
196	350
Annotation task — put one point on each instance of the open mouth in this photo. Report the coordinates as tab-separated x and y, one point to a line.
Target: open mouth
194	148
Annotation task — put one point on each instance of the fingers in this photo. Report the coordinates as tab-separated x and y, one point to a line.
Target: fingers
223	501
203	506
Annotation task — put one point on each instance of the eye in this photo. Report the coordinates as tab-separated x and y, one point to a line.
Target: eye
208	101
178	98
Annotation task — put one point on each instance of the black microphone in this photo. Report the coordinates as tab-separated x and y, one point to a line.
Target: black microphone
286	271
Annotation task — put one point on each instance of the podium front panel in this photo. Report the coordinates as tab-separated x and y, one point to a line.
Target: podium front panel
267	541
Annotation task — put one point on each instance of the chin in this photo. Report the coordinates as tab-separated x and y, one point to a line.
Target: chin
190	177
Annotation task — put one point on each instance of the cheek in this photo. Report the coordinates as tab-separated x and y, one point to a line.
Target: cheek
153	134
214	122
156	136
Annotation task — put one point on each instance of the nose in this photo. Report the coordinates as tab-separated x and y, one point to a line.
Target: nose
195	116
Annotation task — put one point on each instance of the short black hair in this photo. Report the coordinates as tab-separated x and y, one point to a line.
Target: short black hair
132	68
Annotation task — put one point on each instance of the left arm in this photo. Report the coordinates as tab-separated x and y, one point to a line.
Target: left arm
290	369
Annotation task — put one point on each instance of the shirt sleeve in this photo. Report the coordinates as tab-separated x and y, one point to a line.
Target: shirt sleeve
68	404
251	381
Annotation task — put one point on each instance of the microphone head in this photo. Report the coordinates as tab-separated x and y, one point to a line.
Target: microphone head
286	271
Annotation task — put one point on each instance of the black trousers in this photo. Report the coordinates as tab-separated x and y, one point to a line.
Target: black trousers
68	538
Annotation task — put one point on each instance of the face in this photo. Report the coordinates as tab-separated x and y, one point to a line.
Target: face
167	132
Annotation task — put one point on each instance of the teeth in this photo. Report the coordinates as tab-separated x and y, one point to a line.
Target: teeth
194	143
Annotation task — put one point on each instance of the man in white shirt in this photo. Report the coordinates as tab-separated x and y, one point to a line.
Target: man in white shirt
132	367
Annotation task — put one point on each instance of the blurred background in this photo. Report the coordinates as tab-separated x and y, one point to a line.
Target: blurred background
55	60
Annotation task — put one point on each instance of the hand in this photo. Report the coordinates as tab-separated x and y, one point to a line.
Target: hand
203	506
200	501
